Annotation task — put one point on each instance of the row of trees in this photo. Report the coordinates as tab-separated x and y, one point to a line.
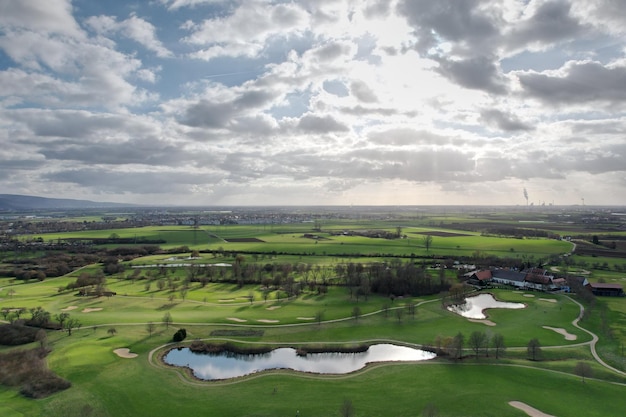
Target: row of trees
62	321
479	342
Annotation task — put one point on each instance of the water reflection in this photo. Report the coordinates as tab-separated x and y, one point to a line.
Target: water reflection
474	306
230	365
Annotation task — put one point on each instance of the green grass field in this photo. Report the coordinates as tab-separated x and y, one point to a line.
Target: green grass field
104	384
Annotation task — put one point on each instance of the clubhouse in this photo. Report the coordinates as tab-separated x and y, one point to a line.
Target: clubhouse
537	279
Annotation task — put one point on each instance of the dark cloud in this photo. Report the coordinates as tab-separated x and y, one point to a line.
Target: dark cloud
551	22
208	114
362	92
311	123
577	83
377	8
503	121
121	182
478	73
136	151
78	124
331	51
463	22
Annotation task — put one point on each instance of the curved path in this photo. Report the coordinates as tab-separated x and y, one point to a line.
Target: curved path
592	343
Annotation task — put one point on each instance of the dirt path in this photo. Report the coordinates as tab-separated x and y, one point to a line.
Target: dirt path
532	412
594	340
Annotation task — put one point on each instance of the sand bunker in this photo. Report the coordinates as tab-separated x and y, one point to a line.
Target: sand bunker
227	300
485	322
273	308
306	318
568	336
91	310
69	308
532	412
267	321
125	353
550	300
236	319
529	295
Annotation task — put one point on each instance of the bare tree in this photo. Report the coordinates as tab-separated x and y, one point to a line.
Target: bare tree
167	319
534	349
583	370
346	409
112	331
428	242
61	318
150	326
183	292
477	341
456	350
42	337
356	312
319	316
498	344
71	324
399	314
410	309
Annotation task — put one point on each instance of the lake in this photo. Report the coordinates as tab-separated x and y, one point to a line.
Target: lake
226	365
474	306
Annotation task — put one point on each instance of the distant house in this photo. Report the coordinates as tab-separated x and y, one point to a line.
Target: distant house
538	282
610	290
508	277
482	277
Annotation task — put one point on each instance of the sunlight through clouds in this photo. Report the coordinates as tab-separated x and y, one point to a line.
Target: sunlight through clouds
314	102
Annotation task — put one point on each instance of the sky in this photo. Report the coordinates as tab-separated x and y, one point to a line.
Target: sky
314	102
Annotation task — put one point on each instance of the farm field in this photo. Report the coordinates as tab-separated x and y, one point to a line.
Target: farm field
149	288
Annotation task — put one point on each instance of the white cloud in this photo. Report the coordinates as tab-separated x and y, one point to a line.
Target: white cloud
314	101
246	30
51	16
135	28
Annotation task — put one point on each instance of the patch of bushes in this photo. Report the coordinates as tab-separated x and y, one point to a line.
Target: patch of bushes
13	335
305	350
180	335
27	369
203	347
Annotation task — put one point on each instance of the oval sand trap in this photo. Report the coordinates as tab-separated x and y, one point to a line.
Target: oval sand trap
550	300
529	295
69	308
236	319
273	308
532	412
568	336
125	353
267	321
91	310
306	318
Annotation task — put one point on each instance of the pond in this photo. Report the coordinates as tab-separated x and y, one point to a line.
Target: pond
474	306
209	366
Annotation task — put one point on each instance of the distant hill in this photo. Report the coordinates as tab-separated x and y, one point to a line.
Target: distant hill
13	202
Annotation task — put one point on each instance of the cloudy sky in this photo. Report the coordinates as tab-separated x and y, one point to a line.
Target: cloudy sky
270	102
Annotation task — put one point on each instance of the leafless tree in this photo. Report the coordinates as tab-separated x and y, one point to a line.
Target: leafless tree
534	349
583	370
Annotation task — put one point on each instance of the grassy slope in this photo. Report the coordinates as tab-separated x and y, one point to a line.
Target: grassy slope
107	385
